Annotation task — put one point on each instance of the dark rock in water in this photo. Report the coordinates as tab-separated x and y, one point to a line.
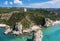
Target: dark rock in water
29	40
32	37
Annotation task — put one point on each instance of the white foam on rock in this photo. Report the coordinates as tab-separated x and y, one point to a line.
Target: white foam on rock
8	31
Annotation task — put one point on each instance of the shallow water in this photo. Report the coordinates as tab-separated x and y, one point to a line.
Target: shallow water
11	37
52	33
49	34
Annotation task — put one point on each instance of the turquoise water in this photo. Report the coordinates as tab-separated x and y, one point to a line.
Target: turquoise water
52	34
11	37
49	34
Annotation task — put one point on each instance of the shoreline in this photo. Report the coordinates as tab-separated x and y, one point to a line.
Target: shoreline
38	33
3	25
7	28
56	22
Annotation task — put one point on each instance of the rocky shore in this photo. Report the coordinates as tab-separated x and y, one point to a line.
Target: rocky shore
38	33
7	28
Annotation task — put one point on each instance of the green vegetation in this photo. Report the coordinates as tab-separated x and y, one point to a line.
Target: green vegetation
7	10
36	15
25	23
16	17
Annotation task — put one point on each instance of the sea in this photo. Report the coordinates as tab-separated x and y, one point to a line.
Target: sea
49	34
10	37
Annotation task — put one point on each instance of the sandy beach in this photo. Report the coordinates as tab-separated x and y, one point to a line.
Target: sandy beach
56	22
3	25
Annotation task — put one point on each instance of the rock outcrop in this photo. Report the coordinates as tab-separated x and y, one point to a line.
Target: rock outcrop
48	22
38	35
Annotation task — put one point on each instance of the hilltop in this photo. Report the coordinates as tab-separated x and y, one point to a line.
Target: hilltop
32	16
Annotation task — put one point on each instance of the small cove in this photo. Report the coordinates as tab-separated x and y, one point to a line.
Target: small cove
10	37
49	34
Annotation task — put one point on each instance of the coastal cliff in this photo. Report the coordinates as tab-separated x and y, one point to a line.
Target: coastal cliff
38	35
30	20
49	22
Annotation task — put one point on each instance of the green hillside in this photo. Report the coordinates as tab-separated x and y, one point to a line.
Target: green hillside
36	16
